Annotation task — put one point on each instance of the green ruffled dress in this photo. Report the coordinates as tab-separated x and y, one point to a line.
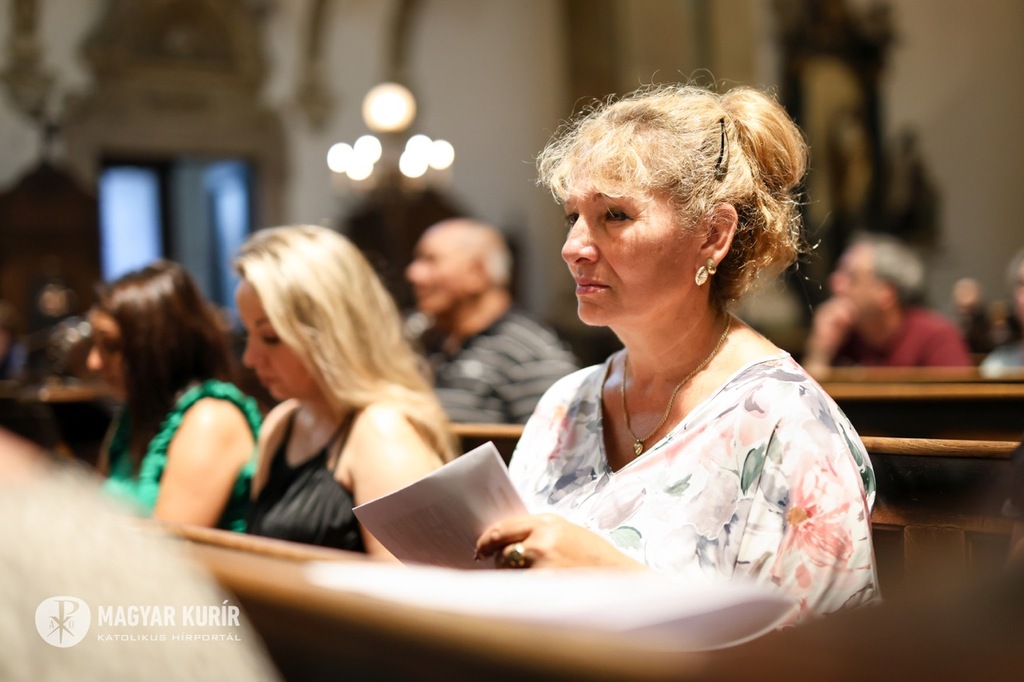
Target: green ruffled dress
141	489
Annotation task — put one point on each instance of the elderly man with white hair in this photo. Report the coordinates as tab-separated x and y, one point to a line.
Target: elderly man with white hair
1009	356
491	362
875	316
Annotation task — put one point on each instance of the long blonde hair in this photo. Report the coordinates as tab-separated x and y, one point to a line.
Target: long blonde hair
329	306
701	149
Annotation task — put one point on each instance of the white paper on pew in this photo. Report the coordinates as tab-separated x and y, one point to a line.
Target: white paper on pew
653	610
437	519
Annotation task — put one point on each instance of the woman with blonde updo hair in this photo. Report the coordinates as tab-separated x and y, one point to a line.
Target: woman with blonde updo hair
358	418
701	449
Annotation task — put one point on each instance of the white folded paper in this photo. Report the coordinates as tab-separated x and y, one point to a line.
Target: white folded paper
653	610
437	519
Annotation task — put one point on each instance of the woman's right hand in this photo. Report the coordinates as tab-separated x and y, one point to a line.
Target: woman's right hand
548	541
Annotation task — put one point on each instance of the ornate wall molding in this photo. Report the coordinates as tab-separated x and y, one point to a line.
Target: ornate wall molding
173	78
28	83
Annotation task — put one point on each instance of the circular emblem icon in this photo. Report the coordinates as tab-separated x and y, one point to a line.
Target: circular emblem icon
63	621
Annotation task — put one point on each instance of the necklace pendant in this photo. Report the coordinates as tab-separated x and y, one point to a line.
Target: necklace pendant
638	447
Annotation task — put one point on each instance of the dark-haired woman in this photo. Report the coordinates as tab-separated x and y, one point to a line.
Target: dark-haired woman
180	449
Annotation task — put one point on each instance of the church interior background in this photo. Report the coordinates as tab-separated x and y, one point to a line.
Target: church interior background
133	129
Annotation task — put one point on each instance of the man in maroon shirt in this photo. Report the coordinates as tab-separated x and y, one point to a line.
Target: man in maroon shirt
873	318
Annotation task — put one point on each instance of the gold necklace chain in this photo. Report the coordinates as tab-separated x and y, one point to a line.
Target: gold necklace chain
638	442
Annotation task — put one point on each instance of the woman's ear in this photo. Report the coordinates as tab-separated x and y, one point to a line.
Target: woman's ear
720	224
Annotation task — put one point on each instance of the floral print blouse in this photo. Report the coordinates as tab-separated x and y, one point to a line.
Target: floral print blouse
765	480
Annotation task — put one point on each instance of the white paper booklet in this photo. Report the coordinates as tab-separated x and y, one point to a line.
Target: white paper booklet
652	610
437	519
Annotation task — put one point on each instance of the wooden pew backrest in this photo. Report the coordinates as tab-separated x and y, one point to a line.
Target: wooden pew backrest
938	410
504	437
936	519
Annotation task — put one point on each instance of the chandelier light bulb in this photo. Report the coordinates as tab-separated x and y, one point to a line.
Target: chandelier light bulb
418	144
360	168
368	147
339	156
389	108
412	164
442	154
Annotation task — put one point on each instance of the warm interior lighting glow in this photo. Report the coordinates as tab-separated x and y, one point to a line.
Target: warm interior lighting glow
368	147
360	168
442	154
339	156
418	144
389	108
412	164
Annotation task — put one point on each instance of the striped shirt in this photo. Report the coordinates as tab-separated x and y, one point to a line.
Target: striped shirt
498	376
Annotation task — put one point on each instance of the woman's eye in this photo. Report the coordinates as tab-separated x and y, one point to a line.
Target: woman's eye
270	340
614	215
570	219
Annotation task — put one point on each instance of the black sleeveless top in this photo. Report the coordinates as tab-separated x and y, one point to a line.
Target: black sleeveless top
306	503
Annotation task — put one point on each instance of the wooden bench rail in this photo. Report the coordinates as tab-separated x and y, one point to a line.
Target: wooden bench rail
504	436
918	375
891	402
881	445
938	447
253	544
916	391
488	431
316	633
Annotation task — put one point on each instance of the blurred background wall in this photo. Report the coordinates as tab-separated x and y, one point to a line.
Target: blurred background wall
223	112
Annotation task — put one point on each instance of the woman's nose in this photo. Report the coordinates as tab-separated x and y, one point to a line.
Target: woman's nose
578	244
248	354
93	362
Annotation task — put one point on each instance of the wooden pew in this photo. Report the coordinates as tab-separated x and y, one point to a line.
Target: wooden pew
504	437
936	517
983	410
254	544
312	632
950	611
67	417
929	402
315	633
917	375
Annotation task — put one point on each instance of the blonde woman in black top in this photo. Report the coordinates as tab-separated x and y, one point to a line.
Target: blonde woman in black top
357	419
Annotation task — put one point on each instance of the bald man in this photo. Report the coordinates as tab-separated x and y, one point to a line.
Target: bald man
491	363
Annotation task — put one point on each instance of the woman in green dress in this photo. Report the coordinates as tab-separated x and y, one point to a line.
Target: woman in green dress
180	448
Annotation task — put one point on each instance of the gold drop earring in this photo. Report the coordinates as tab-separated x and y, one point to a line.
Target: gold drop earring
705	271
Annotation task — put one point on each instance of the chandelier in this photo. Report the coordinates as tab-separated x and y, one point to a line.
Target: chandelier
388	154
